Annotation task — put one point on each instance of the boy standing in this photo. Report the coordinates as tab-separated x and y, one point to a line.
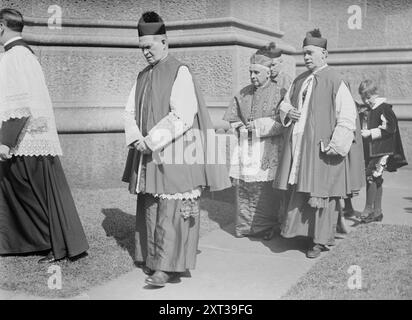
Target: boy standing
382	147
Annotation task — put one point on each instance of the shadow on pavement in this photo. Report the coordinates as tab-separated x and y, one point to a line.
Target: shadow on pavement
220	207
121	226
279	244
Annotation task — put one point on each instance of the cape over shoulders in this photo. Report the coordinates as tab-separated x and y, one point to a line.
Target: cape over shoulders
246	90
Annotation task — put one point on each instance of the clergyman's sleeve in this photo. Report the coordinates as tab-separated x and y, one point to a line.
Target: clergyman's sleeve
284	108
346	113
131	128
16	89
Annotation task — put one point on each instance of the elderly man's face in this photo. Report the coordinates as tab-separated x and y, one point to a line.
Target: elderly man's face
259	75
154	48
275	68
314	57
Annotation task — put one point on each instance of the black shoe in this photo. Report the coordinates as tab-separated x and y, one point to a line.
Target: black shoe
315	251
142	265
372	218
366	212
270	234
48	259
147	270
331	243
160	278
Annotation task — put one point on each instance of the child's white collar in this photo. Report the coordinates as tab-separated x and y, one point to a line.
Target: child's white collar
378	102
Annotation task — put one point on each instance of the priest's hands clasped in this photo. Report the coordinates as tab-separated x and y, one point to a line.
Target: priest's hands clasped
142	147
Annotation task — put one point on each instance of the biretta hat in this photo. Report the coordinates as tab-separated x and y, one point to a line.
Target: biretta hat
314	38
265	55
151	24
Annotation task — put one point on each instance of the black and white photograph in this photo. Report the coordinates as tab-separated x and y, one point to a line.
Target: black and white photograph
205	154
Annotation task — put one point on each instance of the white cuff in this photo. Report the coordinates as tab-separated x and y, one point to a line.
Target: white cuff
133	136
376	133
165	131
284	109
236	124
266	127
342	140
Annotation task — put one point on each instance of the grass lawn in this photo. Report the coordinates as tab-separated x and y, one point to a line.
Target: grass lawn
108	217
384	254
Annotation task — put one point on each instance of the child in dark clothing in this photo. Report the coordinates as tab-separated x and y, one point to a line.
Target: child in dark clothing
382	147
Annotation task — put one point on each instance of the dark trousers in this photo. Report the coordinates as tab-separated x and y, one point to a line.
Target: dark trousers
164	238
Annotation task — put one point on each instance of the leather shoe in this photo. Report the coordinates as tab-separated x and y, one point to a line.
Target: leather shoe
372	218
366	212
159	278
48	259
147	270
315	251
270	234
331	242
142	265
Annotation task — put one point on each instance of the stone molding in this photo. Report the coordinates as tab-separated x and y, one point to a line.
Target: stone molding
364	56
172	25
181	33
108	118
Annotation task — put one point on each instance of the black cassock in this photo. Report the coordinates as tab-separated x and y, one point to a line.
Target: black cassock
37	211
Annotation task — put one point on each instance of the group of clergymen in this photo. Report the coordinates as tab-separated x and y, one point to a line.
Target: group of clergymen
301	146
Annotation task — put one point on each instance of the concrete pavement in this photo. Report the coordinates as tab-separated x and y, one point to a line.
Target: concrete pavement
227	268
232	268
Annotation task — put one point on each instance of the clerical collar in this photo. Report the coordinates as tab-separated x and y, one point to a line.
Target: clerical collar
12	40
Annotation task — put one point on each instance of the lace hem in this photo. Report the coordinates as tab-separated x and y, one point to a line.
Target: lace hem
190	195
38	148
14	113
